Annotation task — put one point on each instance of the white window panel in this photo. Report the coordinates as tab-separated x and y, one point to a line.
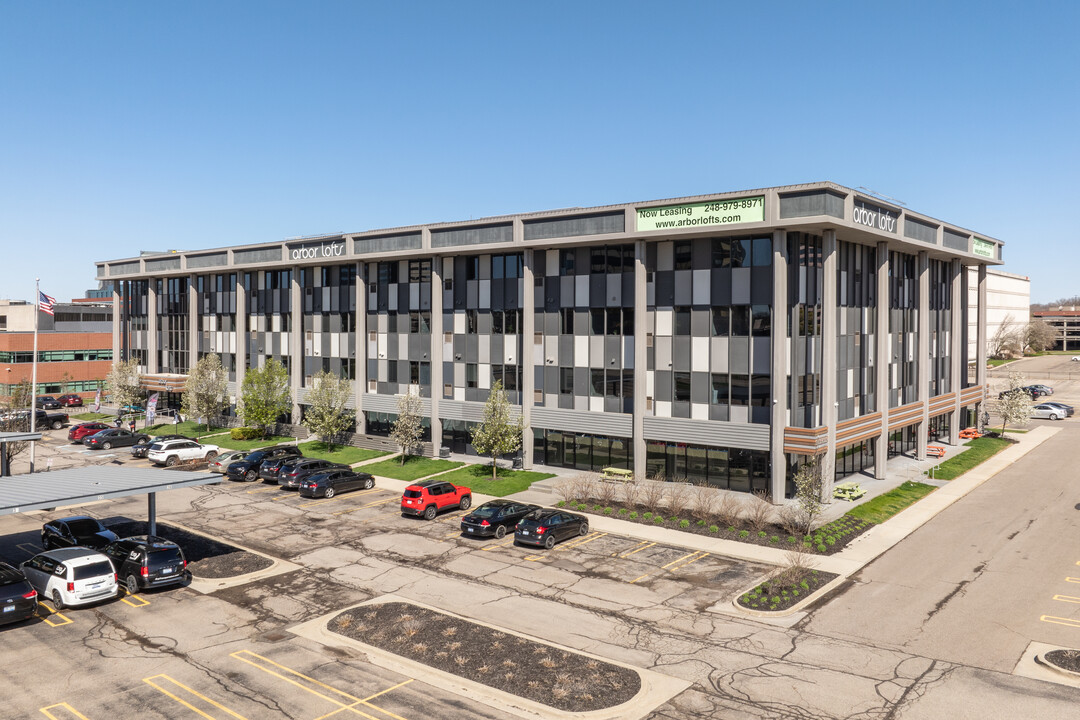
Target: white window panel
392	298
702	287
628	353
663	321
459	322
510	353
650	377
448	351
459	394
699	411
403	347
739	413
484	349
383	341
538	355
447	268
581	291
373	350
581	351
414	296
551	265
484	376
275	323
382	323
663	408
484	299
596	404
335	344
699	354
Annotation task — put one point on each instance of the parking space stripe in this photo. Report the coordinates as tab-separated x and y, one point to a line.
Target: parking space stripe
261	490
66	708
142	602
1067	598
644	545
48	619
499	545
1072	580
323	501
370	504
29	548
151	682
1061	621
676	564
688	562
567	546
664	567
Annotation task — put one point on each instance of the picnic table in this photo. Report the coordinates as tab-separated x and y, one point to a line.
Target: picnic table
935	450
848	491
613	473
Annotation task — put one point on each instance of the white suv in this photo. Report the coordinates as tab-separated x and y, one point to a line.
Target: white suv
172	452
71	576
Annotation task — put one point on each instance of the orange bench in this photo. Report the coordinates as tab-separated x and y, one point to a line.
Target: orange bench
935	450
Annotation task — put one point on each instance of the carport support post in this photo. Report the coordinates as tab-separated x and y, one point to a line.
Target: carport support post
4	469
151	513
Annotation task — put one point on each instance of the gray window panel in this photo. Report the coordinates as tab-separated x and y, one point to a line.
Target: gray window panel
721	286
552	294
545	379
418	347
701	253
842	389
483	323
918	230
497	292
538	296
566	350
597	290
650	358
550	327
582	322
700	387
761	279
126	268
169	263
719	412
539	262
472	236
740	286
762	356
739	355
596	351
456	375
459	347
662	386
496	349
382	371
662	347
572	227
403	304
512	294
627	291
566	292
257	255
613	296
386	243
425	296
485	267
680	354
680	409
472	348
613	352
566	402
814	202
211	260
700	322
472	294
684	287
665	288
581	382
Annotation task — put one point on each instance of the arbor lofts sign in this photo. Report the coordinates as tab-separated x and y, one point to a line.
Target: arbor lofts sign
316	251
873	216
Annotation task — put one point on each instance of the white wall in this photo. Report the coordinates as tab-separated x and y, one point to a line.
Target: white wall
1008	296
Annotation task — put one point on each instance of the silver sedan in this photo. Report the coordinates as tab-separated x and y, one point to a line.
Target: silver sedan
221	463
1048	412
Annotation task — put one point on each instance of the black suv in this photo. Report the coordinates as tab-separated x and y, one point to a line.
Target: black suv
79	530
248	468
143	562
294	471
140	451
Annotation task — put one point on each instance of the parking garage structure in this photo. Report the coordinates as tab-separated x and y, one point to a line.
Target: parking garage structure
718	338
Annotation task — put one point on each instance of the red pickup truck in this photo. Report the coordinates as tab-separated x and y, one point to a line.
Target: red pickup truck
428	498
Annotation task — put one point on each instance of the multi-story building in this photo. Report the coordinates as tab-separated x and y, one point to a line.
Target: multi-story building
1066	323
1008	305
716	337
75	348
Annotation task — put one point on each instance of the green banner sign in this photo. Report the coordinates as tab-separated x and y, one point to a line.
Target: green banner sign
983	248
704	214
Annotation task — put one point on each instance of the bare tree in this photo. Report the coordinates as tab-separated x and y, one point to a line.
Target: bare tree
631	493
727	510
759	511
1039	335
1007	340
704	502
652	494
606	490
678	496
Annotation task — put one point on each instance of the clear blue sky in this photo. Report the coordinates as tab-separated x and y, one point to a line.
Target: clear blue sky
151	125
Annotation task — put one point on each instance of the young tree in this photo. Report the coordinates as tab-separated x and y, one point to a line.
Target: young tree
265	395
327	415
22	396
123	383
407	429
1039	335
1014	406
205	392
808	487
498	434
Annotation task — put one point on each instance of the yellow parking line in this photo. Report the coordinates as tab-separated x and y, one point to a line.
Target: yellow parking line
150	681
1067	598
499	545
367	701
663	567
285	672
568	546
143	602
321	501
1072	580
370	504
676	563
643	545
688	562
63	706
29	548
639	578
261	490
50	623
1060	621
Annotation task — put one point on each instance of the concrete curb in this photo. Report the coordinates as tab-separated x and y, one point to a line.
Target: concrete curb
210	585
1032	664
656	689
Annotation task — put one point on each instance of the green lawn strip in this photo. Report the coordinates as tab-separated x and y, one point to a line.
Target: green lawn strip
190	429
415	467
884	506
978	451
478	479
226	441
92	416
345	454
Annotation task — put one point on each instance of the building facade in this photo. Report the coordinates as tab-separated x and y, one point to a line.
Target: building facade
1066	323
1008	304
717	337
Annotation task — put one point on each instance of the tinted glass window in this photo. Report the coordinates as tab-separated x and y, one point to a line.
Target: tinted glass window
85	527
164	556
93	570
485	512
9	575
413	494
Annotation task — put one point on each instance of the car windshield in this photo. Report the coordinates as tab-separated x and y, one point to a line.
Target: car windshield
164	556
413	494
486	511
93	570
87	526
256	456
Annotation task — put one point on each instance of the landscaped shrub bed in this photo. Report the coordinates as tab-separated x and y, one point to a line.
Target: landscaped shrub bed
1064	659
511	663
785	589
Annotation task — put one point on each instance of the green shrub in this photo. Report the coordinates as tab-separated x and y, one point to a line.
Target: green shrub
714	529
804	585
598	508
582	506
731	528
647	516
608	510
633	514
774	539
762	534
821	548
830	540
246	433
684	524
744	533
561	503
658	519
623	511
795	593
791	539
701	523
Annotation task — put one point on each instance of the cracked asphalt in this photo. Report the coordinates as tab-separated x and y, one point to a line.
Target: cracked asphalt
917	634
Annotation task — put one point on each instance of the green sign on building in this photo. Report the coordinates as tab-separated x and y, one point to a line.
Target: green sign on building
983	248
704	214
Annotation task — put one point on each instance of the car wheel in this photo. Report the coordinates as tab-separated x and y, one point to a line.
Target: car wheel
584	529
369	483
131	584
170	461
500	532
210	456
251	476
46	543
549	542
466	502
329	492
106	445
57	601
140	441
1053	416
57	425
430	512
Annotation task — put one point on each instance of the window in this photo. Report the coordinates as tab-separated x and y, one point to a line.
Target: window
740	390
683	255
414	372
498	267
497	322
611	387
391	371
740	320
566	262
597	315
721	253
470	375
682	386
596	386
719	395
599	260
762	252
566	321
511	322
566	381
614	321
760	320
470	322
614	259
682	321
472	268
721	321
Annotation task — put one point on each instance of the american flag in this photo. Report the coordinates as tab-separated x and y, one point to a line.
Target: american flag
46	302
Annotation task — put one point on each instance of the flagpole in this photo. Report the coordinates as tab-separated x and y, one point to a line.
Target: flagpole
33	370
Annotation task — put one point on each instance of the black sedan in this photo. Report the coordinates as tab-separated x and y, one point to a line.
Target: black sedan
115	437
248	468
141	449
495	518
547	527
329	484
18	599
295	471
79	530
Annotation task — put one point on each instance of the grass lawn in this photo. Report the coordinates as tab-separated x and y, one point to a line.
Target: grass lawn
884	506
415	467
346	454
226	441
997	362
194	430
978	451
91	416
478	479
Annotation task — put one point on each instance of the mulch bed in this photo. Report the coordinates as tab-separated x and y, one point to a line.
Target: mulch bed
511	663
828	539
780	593
1064	659
206	558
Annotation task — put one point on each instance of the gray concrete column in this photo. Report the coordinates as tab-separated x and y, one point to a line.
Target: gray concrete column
922	353
151	328
640	358
528	358
882	356
118	321
981	339
780	348
360	385
296	342
193	322
241	335
957	369
829	340
435	351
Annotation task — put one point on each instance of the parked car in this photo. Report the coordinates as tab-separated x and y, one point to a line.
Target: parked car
77	432
430	497
47	402
141	451
547	527
1034	395
70	400
72	576
78	530
221	463
1067	409
1043	389
1075	358
1048	412
18	598
171	452
143	562
115	437
270	467
296	470
494	518
329	484
248	468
